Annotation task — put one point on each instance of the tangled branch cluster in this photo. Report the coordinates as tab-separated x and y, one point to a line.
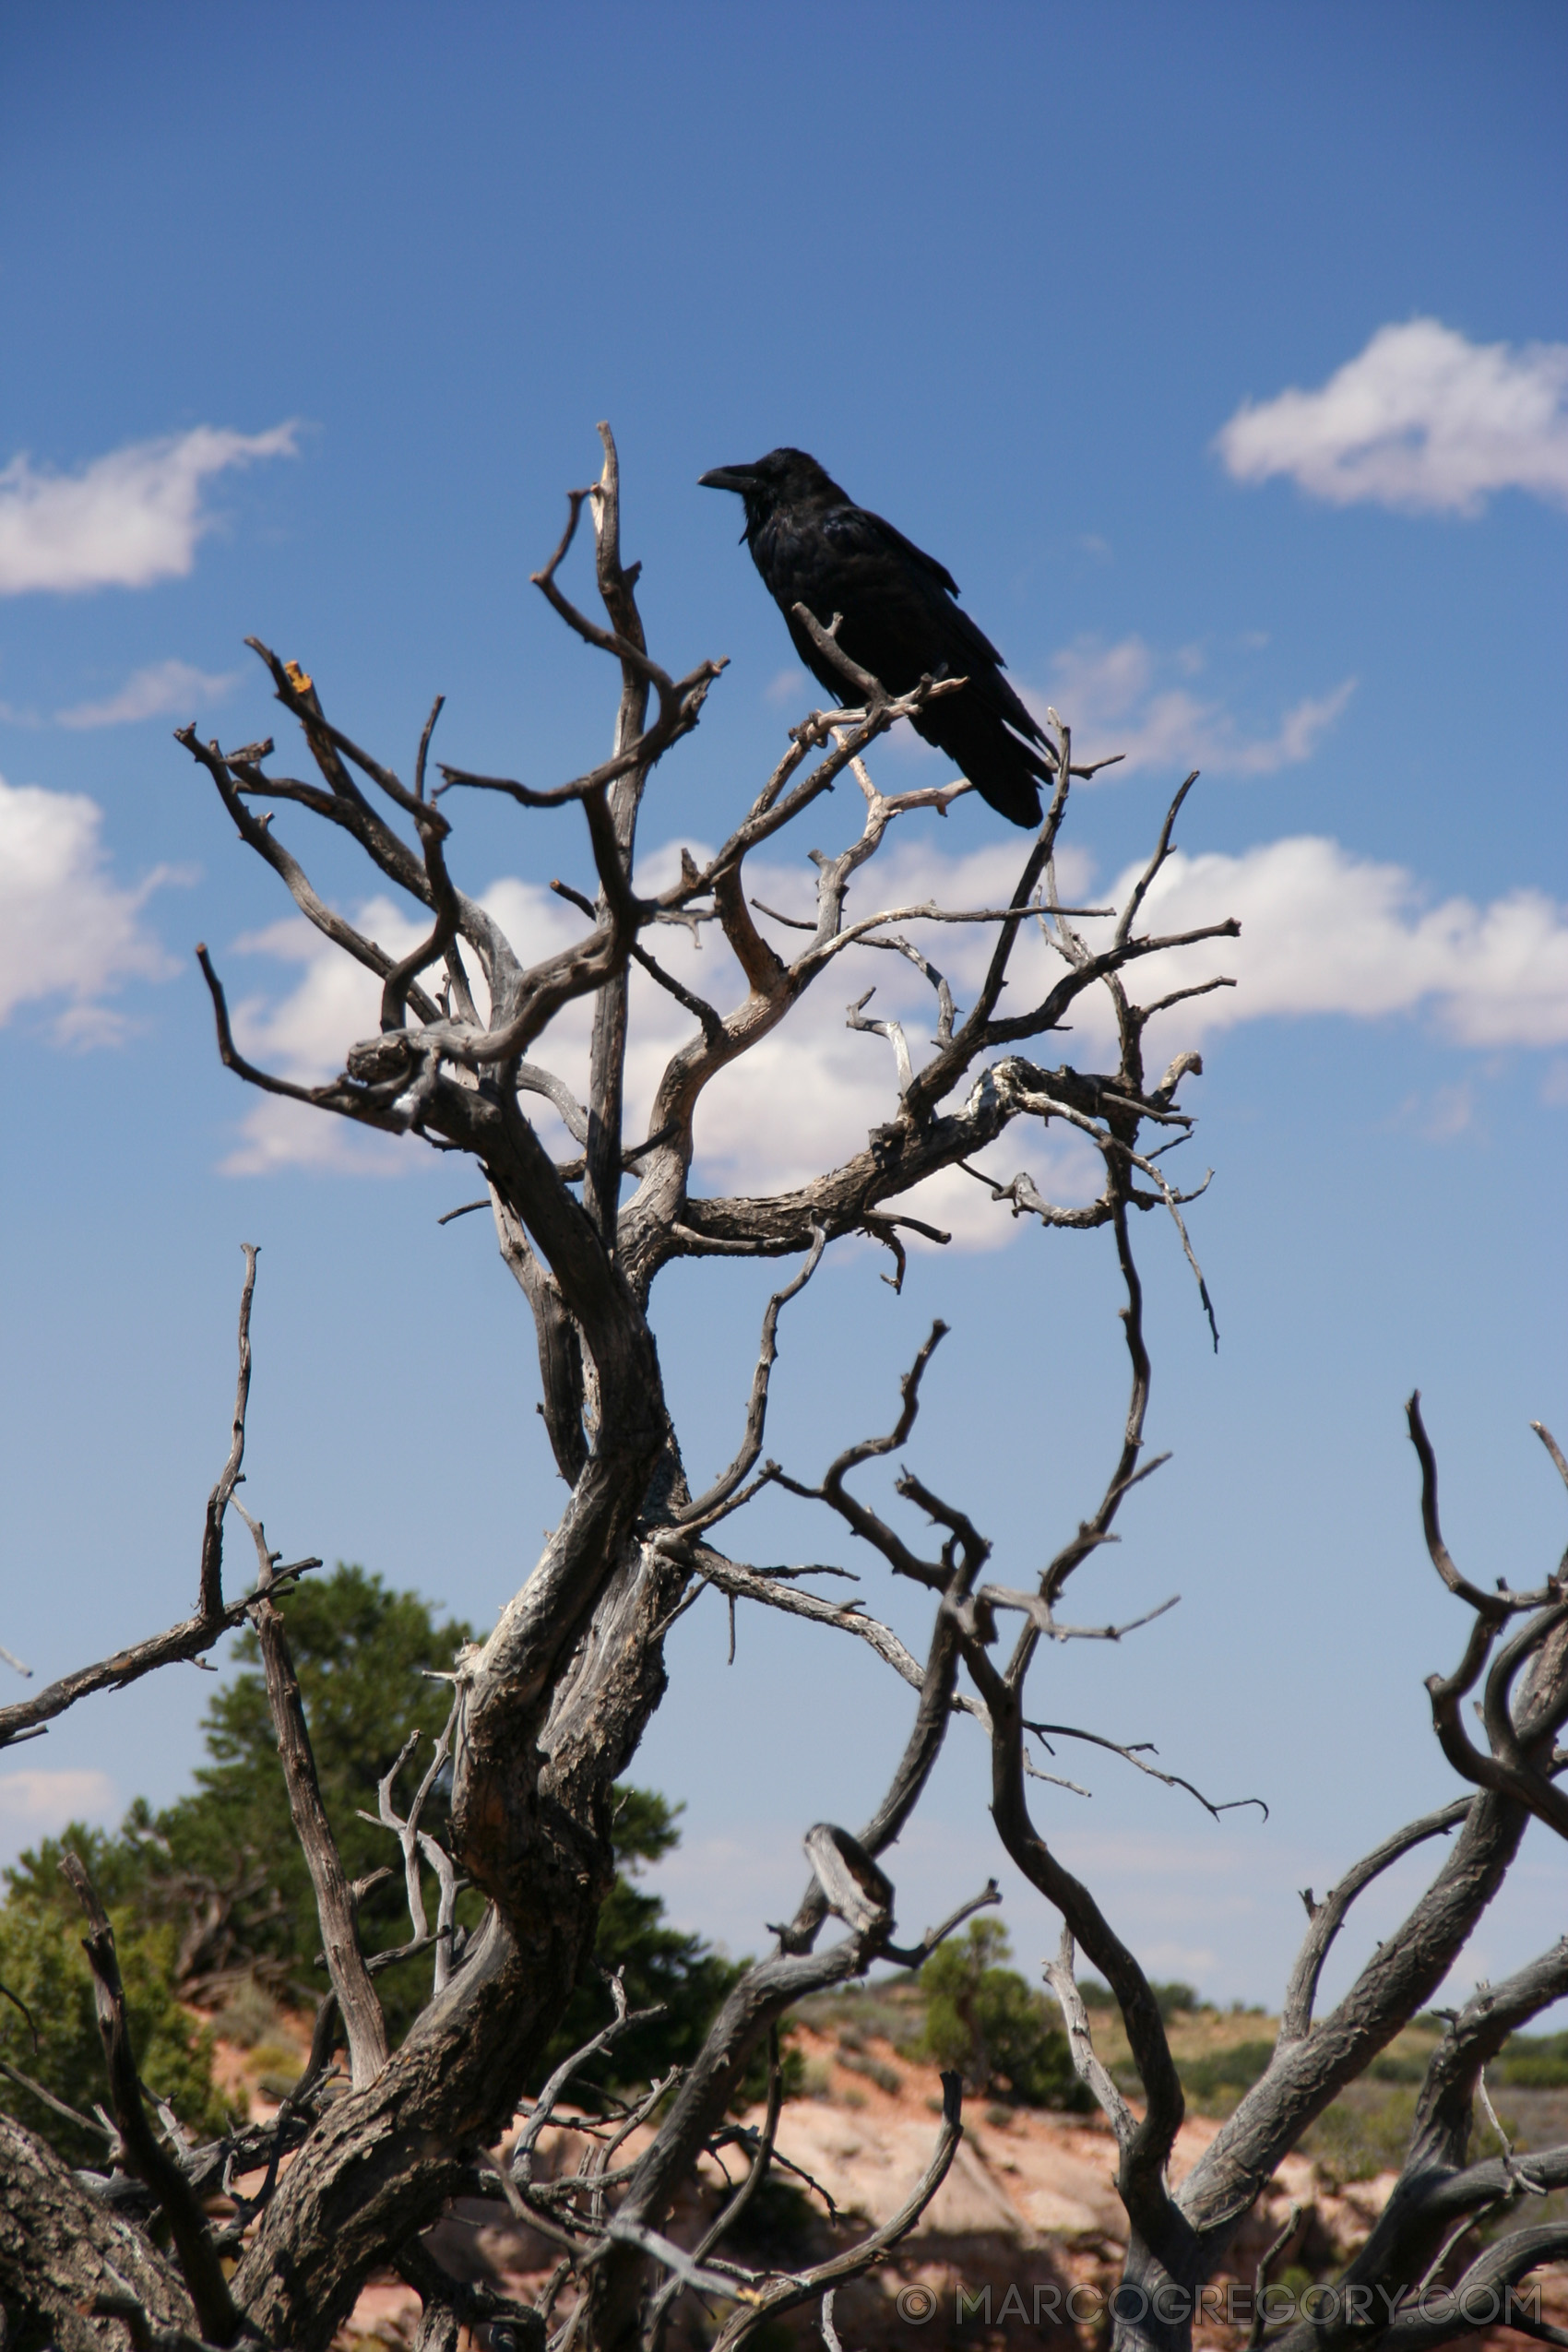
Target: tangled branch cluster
546	1714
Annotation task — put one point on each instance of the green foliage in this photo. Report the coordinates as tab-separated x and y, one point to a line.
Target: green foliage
42	1962
1532	2063
1525	2063
643	1826
1397	2066
984	2021
1175	2000
359	1652
117	1867
875	2070
1359	2137
217	1883
1215	2083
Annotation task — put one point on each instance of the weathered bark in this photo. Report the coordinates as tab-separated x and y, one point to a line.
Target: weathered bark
355	1994
382	2162
61	2248
379	2165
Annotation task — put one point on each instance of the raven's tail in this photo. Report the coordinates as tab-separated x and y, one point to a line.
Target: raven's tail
1006	772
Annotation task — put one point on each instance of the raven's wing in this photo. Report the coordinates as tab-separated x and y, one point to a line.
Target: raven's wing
899	612
972	651
917	555
855	532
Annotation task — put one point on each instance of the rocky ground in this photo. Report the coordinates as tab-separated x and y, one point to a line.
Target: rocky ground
1027	2216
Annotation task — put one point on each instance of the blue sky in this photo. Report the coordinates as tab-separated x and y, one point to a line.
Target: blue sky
1223	356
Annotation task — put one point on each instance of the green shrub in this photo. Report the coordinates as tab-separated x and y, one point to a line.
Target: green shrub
1397	2066
1356	2138
213	1895
360	1651
1219	2080
875	2070
249	2017
42	1962
987	2024
1532	2063
1175	2000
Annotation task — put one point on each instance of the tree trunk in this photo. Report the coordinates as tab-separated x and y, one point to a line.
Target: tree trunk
61	2247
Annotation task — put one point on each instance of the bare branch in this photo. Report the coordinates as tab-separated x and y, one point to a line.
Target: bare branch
891	1030
1089	2068
362	2018
467	1209
416	1845
1032	1606
1161	851
916	1956
807	2285
521	2163
729	2214
1272	2253
210	1598
202	2271
1512	1775
258	835
865	1523
1553	1448
46	2097
1490	1607
1135	1755
1436	2320
332	1096
28	1718
1329	1917
847	1617
701	1511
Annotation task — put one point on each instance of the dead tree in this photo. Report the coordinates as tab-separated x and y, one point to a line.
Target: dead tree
548	1711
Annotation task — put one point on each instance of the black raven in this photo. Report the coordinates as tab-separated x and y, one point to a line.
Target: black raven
900	620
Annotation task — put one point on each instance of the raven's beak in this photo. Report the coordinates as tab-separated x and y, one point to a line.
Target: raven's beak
737	477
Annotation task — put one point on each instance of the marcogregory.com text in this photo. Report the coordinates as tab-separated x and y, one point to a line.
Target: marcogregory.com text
1235	2304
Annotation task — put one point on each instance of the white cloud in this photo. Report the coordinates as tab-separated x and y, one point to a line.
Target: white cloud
66	926
305	1036
37	1804
126	519
1113	699
1323	933
163	688
1422	419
